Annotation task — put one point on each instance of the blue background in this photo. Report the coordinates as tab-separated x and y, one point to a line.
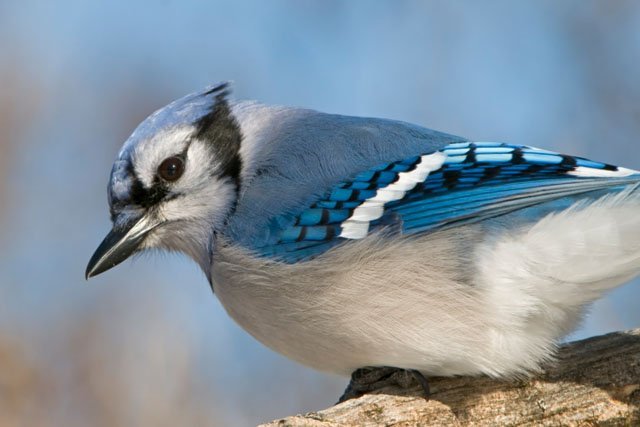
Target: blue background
148	343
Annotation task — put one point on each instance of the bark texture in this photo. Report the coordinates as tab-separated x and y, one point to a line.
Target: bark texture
594	382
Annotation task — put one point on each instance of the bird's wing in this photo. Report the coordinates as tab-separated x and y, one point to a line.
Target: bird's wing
462	183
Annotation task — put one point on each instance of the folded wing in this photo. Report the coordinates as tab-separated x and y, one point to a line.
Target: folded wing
464	182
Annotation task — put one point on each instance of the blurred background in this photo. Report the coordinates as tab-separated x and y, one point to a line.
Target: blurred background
148	344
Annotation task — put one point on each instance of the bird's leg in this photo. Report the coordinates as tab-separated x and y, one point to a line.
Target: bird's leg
422	380
365	380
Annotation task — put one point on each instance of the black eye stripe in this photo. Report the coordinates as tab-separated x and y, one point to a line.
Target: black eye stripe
138	194
148	197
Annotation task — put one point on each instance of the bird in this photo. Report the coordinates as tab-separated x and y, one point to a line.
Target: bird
348	242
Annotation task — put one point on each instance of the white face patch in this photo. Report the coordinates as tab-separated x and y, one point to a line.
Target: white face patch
197	203
209	203
148	154
201	194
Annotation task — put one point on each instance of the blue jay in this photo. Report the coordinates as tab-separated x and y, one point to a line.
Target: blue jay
347	242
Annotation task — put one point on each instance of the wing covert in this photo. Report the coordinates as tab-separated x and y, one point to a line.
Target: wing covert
464	182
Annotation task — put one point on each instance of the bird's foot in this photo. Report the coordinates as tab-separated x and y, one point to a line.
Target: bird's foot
365	380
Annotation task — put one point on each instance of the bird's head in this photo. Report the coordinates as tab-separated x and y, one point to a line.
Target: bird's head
175	181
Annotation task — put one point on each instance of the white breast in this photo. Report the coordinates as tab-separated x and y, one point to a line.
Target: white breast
462	301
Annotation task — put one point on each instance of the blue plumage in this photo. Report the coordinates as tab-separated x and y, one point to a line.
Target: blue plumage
477	180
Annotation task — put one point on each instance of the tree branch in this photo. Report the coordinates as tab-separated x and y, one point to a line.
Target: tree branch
594	382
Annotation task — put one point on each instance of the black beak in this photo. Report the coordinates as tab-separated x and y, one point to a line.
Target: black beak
120	244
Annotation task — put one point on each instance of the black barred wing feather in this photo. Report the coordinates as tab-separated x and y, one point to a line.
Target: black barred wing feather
462	183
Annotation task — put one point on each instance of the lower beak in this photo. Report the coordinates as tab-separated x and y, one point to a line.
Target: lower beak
120	244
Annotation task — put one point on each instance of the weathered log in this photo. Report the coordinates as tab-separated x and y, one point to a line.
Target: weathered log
592	382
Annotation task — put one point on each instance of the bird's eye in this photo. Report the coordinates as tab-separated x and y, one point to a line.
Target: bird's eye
171	169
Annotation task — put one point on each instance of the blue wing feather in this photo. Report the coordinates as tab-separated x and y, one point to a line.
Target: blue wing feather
478	180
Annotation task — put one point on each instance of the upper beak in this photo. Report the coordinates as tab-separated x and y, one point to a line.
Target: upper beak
121	242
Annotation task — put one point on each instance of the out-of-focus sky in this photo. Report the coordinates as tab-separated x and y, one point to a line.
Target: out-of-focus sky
148	343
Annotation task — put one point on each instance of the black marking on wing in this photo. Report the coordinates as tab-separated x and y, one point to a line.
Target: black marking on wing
476	181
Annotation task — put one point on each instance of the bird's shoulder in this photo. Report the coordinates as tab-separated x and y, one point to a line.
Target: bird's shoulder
292	156
321	180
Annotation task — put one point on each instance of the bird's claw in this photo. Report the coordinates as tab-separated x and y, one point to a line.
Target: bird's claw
365	380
